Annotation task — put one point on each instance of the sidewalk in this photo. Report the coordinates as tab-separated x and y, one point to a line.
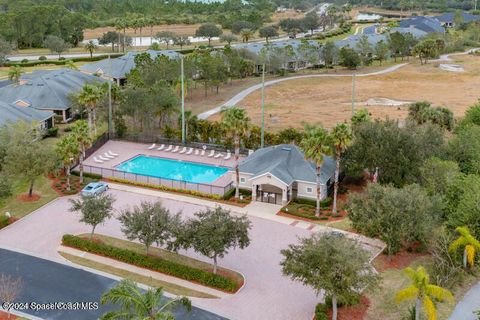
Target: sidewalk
142	271
256	209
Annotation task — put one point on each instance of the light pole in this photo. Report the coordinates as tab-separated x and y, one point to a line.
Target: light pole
262	135
183	99
110	113
353	93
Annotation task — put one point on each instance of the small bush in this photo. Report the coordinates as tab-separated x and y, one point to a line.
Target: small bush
52	132
93	176
153	263
321	312
24	60
67	129
42	58
61	59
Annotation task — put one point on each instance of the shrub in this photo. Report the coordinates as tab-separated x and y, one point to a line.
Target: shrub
94	176
165	188
61	59
321	312
52	132
153	263
67	129
4	221
42	58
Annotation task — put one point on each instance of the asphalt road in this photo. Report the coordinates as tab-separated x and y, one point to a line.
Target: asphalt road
45	281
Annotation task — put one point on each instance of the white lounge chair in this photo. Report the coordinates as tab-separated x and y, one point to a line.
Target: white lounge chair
170	147
197	152
218	155
228	156
183	150
175	149
103	158
161	147
106	155
189	151
112	153
96	160
151	147
211	154
202	153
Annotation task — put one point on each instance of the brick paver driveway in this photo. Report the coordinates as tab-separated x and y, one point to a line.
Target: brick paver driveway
266	295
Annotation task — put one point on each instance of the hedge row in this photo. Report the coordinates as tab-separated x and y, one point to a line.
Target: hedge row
60	62
333	33
88	175
153	263
165	188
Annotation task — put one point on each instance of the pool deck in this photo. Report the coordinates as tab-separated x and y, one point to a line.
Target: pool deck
128	150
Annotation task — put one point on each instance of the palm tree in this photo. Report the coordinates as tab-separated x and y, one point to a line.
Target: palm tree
423	292
90	46
89	97
67	150
121	25
341	138
14	73
71	65
237	123
315	145
246	34
134	304
469	244
82	137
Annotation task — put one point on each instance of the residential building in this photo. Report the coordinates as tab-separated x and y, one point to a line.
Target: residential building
117	69
48	90
278	174
426	24
10	114
448	19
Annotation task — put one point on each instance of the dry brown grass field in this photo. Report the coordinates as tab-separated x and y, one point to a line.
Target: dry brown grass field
181	29
328	100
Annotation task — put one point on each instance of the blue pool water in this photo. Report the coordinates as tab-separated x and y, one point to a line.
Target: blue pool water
172	169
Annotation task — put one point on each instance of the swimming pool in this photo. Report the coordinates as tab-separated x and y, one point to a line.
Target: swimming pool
172	169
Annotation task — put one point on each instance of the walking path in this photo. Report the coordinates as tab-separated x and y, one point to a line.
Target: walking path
470	303
243	94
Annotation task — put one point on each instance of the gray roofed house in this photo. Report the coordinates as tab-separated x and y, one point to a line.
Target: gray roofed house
118	68
280	173
426	24
352	41
416	33
47	90
10	114
448	19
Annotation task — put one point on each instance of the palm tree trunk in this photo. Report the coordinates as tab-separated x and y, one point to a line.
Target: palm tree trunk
335	186
317	209
237	171
215	264
94	121
68	177
334	307
418	308
465	258
81	167
90	121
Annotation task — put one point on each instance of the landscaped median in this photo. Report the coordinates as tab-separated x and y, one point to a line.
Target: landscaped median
153	263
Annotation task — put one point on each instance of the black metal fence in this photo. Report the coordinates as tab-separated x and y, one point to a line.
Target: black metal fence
145	138
169	183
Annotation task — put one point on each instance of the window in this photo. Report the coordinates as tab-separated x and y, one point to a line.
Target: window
309	190
242	180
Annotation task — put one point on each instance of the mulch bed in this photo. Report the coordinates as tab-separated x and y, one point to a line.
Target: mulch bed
398	261
59	185
356	312
26	198
5	316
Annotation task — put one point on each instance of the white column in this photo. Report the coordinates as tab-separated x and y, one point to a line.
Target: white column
284	196
254	192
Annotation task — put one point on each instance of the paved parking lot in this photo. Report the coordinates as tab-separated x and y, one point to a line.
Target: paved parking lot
266	295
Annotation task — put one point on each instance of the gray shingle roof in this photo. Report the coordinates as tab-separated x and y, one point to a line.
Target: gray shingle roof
449	17
352	41
416	33
10	114
427	24
256	47
47	89
118	68
287	163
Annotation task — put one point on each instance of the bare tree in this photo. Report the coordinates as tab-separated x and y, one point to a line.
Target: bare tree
10	289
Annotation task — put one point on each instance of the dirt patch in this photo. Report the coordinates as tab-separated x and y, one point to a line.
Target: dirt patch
180	29
399	261
26	198
328	100
287	14
451	67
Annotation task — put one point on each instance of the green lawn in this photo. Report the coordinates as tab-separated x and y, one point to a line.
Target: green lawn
167	255
20	209
169	287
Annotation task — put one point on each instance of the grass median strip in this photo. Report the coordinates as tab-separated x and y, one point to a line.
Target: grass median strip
172	267
167	286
